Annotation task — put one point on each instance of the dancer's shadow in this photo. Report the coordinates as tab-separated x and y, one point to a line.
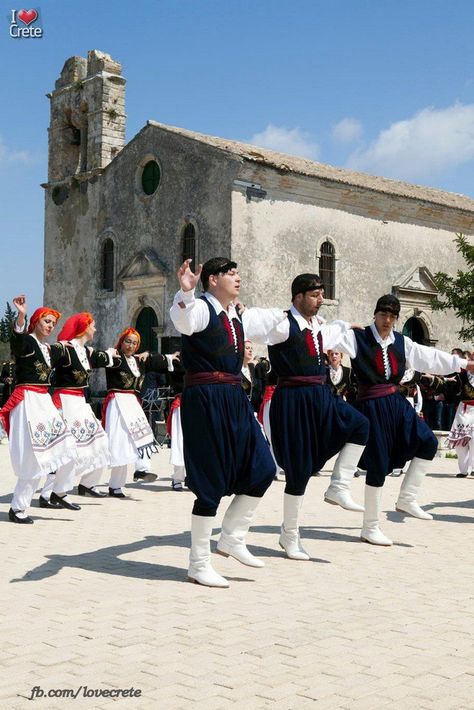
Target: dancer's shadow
108	560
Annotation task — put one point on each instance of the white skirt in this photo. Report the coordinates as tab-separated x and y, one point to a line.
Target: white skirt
176	457
462	430
122	446
33	451
91	440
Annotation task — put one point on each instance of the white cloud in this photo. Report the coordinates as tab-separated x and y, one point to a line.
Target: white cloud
432	141
287	140
7	156
348	130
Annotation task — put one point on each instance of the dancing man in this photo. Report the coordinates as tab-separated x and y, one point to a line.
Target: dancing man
397	434
225	452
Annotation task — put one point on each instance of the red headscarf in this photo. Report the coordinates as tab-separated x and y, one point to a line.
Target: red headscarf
41	313
123	335
76	325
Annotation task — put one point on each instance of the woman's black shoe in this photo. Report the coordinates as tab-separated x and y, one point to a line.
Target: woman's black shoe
85	491
43	503
63	503
146	476
116	493
15	519
461	475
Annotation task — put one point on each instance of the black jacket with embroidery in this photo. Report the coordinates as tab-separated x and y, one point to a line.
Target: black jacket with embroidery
31	367
69	373
120	378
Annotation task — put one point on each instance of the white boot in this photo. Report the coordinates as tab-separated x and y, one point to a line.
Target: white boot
290	536
338	492
235	526
370	529
200	568
406	502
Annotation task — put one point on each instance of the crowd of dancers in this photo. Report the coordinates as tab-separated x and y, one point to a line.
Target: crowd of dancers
218	443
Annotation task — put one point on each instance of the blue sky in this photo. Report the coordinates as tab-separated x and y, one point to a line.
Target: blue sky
375	85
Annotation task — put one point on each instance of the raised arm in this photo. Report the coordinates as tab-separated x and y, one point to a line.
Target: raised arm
189	315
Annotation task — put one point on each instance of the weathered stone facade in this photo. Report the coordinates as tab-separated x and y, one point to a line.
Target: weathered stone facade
269	211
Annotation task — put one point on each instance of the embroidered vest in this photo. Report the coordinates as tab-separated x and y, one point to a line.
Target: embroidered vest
369	367
300	355
30	366
219	347
70	374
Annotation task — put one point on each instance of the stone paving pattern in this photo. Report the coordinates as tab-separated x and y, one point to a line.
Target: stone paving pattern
98	598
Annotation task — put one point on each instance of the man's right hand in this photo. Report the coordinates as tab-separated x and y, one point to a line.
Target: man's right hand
187	279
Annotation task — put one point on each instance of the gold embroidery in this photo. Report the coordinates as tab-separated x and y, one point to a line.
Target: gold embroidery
80	377
42	370
128	380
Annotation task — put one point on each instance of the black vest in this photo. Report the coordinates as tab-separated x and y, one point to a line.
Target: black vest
30	366
120	378
69	372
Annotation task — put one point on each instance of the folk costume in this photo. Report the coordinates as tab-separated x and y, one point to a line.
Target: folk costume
340	381
264	411
71	380
7	378
461	436
225	452
305	411
397	434
38	437
174	428
129	432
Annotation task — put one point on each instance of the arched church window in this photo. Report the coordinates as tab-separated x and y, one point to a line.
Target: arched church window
147	324
327	269
107	266
150	177
189	244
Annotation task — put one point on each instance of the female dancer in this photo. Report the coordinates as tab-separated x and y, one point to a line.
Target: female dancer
130	435
71	379
38	438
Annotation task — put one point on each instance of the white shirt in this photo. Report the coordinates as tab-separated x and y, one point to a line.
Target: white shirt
267	326
419	357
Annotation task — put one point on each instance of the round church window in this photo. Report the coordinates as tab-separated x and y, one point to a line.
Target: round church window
150	177
60	194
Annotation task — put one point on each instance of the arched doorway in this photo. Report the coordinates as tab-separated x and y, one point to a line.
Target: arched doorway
146	322
414	330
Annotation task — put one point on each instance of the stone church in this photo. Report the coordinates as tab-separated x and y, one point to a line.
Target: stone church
121	217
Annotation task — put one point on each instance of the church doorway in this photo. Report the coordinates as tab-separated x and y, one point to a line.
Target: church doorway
414	330
146	324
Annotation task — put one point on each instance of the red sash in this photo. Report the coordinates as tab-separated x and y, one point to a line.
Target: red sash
17	396
211	378
57	399
375	391
175	404
301	380
267	395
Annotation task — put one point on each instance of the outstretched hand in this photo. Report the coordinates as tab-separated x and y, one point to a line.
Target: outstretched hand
143	357
187	279
20	304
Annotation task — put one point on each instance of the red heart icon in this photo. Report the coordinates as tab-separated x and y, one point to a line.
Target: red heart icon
27	16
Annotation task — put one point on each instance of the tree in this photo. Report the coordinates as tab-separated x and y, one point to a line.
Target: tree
458	291
6	324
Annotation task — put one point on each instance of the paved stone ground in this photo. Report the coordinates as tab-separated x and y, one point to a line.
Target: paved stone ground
97	598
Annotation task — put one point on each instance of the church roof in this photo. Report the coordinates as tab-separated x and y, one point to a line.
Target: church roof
301	166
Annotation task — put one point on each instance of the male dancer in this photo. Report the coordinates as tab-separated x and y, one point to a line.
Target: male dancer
309	423
379	357
225	452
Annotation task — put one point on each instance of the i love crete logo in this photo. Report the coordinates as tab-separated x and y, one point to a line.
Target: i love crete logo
24	24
